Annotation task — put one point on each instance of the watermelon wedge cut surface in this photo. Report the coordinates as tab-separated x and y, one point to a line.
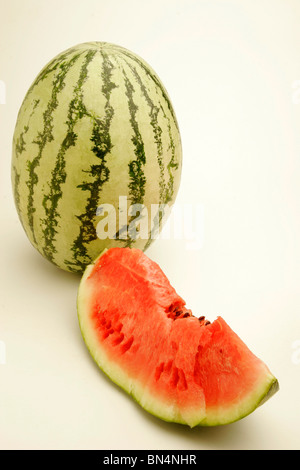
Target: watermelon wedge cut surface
177	366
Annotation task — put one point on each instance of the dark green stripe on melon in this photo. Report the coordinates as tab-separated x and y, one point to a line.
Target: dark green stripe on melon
43	138
77	110
157	131
100	173
136	172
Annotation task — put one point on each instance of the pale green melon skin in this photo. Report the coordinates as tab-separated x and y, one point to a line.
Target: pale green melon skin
167	411
93	111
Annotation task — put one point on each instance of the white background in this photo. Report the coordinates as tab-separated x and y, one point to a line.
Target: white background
231	69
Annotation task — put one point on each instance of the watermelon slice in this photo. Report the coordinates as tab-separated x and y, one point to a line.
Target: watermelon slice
177	366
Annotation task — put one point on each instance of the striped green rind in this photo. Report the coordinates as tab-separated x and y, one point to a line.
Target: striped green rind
96	124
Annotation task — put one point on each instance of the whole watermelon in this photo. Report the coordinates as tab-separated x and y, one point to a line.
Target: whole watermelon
96	124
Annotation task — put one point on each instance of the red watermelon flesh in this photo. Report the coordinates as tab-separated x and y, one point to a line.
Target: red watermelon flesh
179	367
